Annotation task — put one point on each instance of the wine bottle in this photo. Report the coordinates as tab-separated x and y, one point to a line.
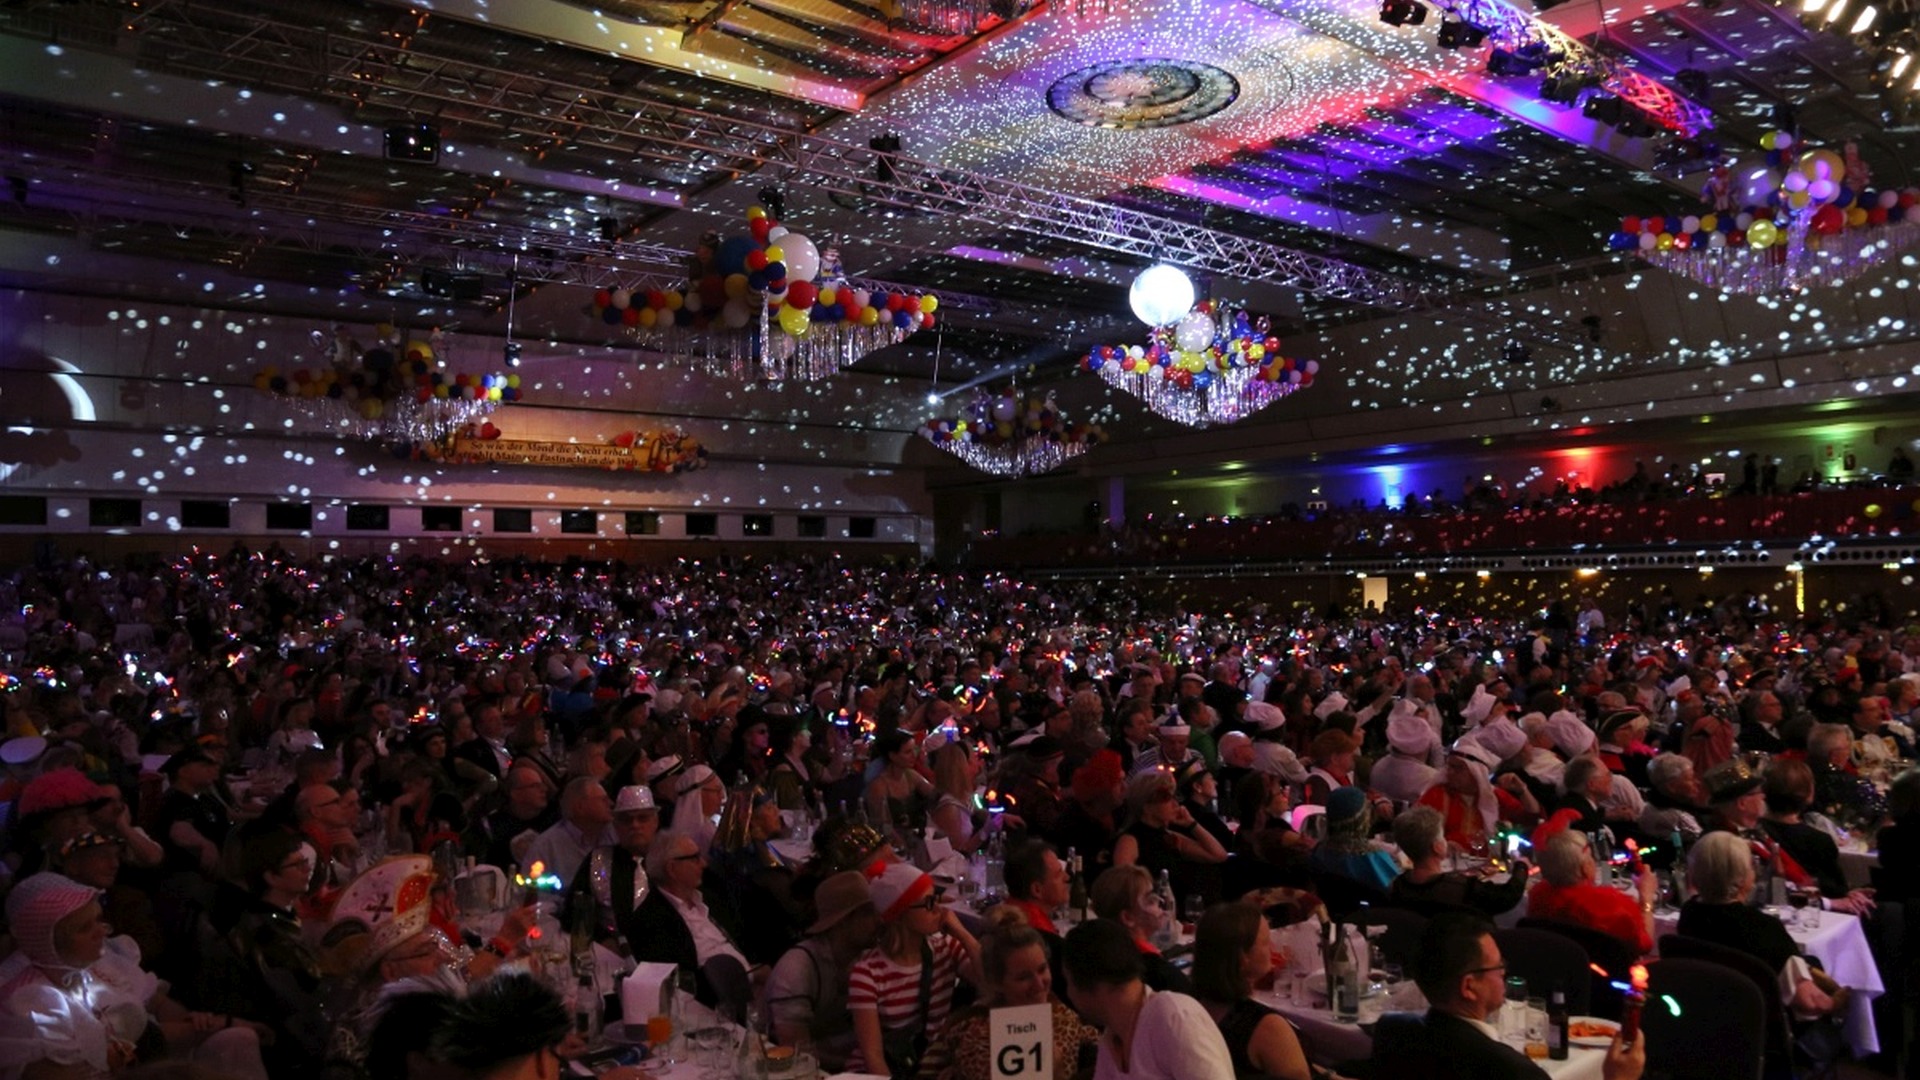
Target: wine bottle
1557	1026
1077	899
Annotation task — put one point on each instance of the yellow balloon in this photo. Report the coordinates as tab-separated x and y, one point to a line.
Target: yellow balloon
1856	217
493	394
1709	222
736	286
828	295
869	316
675	300
795	321
929	304
776	253
1823	164
440	391
1664	241
1873	510
513	381
1798	199
755	213
1760	234
648	317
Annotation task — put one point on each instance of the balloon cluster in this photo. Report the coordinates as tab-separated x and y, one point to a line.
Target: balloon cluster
1833	191
801	284
1207	342
1003	419
371	380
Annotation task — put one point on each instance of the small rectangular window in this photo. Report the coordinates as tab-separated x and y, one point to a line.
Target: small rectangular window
813	526
366	518
205	514
113	513
703	524
643	523
756	525
23	509
579	521
292	516
440	519
512	520
861	528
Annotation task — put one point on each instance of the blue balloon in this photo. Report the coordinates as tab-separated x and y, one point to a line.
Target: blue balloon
732	257
611	316
776	271
757	280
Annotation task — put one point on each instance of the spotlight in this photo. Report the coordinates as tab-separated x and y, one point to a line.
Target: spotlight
1864	21
413	142
609	228
1564	87
1637	125
1459	34
1504	62
1899	68
1403	12
1605	108
775	201
885	146
511	354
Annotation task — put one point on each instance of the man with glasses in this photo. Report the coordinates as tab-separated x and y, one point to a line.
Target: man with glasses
496	839
1460	970
685	923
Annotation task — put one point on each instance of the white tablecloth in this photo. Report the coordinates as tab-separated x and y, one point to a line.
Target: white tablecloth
1858	866
1330	1042
1841	946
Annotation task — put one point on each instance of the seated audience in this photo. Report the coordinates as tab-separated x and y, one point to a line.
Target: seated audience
1788	790
1429	888
1125	895
892	1022
1349	851
1015	970
1720	873
1145	1033
1459	968
686	921
807	991
1231	954
1566	892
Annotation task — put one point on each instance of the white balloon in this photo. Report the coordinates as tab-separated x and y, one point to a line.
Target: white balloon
735	314
775	233
803	259
1716	240
1005	409
622	298
1160	295
1195	331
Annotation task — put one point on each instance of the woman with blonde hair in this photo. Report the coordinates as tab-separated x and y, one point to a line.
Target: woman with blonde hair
922	945
1015	971
955	772
1125	894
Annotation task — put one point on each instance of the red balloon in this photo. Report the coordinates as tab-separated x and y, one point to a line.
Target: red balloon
756	260
603	298
802	294
1877	216
895	302
656	299
630	317
1828	220
760	228
1630	224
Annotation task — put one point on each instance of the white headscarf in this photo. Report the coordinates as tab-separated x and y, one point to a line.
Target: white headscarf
689	818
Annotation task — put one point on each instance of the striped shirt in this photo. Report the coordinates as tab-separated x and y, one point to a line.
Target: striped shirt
876	982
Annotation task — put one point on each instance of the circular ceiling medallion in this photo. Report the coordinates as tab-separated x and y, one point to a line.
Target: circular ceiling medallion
1133	95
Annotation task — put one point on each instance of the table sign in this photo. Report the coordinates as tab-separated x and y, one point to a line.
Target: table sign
1022	1042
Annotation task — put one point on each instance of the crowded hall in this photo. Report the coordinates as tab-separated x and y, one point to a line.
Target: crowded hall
959	540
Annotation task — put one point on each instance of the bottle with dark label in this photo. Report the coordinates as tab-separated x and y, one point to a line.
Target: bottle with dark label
1557	1026
1077	899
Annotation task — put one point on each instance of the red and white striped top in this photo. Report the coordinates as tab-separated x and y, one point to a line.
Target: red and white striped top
878	983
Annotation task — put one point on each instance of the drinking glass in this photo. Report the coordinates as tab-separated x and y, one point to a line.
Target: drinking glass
1536	1028
1797	900
1300	993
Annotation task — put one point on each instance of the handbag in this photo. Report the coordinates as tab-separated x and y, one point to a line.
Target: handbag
905	1046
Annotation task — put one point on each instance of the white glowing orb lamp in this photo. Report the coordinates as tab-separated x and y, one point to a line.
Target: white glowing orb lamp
1162	294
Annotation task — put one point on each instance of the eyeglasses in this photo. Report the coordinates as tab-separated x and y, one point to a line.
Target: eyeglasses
931	903
689	855
1483	970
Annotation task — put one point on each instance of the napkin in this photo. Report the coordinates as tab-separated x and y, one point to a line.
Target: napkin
644	993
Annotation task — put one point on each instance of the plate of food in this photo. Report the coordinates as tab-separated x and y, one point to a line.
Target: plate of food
1591	1032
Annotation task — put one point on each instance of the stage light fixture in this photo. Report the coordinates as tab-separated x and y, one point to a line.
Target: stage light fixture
1900	65
1605	108
1636	125
1694	83
413	142
1505	63
1864	21
885	146
1403	12
1460	34
1563	87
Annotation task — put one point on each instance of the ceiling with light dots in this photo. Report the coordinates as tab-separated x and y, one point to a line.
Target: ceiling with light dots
1021	160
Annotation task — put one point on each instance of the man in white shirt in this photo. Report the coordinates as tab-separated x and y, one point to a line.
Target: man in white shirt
586	822
1155	1036
677	924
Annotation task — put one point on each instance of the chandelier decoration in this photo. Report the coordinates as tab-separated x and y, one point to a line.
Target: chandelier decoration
1216	365
766	306
1000	435
395	392
1781	226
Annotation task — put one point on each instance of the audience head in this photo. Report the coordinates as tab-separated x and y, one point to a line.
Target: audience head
56	921
1565	859
527	791
91	858
509	1027
1735	793
1829	745
586	804
1788	786
1034	873
676	862
636	820
843	909
1588	776
1125	895
1151	797
1720	868
1013	960
1672	775
1458	966
1230	952
1420	833
1103	968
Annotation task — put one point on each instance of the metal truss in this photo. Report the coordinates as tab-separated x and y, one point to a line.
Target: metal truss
1510	29
395	240
393	69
